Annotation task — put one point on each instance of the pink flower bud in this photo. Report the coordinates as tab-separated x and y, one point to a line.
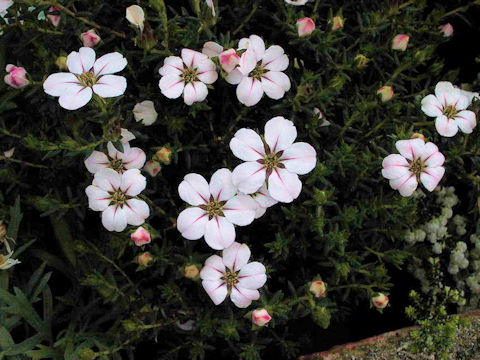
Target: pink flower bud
400	42
136	16
17	76
385	92
145	259
305	26
380	301
337	23
318	288
141	236
211	5
152	167
90	38
145	112
418	136
54	19
446	29
261	317
164	155
229	59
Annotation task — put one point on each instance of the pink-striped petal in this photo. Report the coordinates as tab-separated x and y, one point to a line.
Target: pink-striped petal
172	65
252	276
194	190
406	184
107	179
74	97
59	83
284	186
445	126
242	297
247	145
240	210
275	59
395	166
110	86
431	176
213	269
81	61
114	218
195	92
109	64
300	158
136	211
96	161
431	156
431	106
216	290
171	86
275	84
191	223
98	199
280	133
249	177
466	121
249	91
236	256
221	185
410	149
133	182
219	233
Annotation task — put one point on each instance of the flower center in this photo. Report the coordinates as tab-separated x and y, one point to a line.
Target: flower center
118	197
272	161
214	208
231	279
417	167
87	79
258	72
189	75
117	165
450	111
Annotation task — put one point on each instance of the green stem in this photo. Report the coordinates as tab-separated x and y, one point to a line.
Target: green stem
246	20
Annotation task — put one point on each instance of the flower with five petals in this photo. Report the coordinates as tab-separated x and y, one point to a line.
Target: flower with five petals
216	209
87	76
417	162
275	158
233	275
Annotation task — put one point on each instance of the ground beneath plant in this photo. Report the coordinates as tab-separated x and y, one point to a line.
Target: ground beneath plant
394	346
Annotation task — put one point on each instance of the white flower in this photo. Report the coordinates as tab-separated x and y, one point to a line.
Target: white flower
296	2
87	76
275	159
5	4
263	199
417	162
448	107
233	275
259	71
216	209
114	195
136	16
130	158
145	112
126	136
188	75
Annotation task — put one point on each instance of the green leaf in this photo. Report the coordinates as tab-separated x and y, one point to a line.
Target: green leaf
64	237
15	218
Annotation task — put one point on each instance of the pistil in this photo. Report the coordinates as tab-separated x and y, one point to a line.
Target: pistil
87	79
450	111
258	72
190	75
230	278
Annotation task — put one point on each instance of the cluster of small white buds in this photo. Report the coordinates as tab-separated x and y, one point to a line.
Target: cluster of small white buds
414	236
458	259
461	224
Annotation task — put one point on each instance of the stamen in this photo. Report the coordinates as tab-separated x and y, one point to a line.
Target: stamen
214	208
87	79
258	72
230	278
119	197
117	165
450	111
189	75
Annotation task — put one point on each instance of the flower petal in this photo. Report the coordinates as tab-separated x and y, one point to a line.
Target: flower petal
212	49
234	77
191	223
252	276
59	83
466	121
213	268
445	126
207	71
240	210
133	182
263	198
195	92
280	133
255	44
243	297
431	156
75	96
442	89
300	158
107	179
275	84
136	211
98	199
395	166
275	59
248	177
110	86
219	233
171	86
247	145
283	185
431	176
216	289
249	91
221	185
172	65
194	190
109	64
81	61
431	106
247	62
114	218
134	158
410	149
96	161
192	58
406	184
236	256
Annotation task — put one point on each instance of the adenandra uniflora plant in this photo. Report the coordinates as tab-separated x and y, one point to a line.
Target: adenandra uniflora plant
289	176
